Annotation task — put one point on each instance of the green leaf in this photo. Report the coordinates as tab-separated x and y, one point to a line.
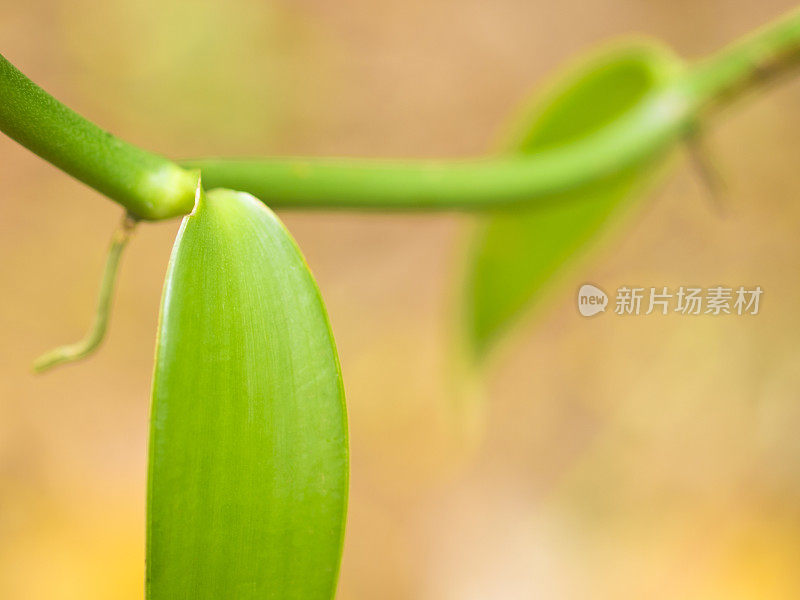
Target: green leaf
517	254
248	470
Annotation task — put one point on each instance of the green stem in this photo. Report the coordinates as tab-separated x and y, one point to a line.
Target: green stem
747	64
473	184
91	341
667	114
148	186
151	187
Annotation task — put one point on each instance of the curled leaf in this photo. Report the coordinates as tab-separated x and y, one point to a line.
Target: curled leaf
516	254
248	465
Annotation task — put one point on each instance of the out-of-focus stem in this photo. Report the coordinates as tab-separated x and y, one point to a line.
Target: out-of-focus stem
669	112
746	65
151	187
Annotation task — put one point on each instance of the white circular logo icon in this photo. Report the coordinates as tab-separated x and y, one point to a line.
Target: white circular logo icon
591	300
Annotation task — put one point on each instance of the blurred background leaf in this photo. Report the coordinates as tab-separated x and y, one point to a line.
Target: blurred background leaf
517	255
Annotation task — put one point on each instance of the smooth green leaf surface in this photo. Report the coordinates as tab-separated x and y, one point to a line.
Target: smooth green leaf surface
517	253
248	466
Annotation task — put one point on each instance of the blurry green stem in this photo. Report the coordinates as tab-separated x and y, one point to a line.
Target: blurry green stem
147	185
151	187
665	115
747	64
95	335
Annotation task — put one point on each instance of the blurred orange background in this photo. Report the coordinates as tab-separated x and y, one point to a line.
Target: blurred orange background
609	458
